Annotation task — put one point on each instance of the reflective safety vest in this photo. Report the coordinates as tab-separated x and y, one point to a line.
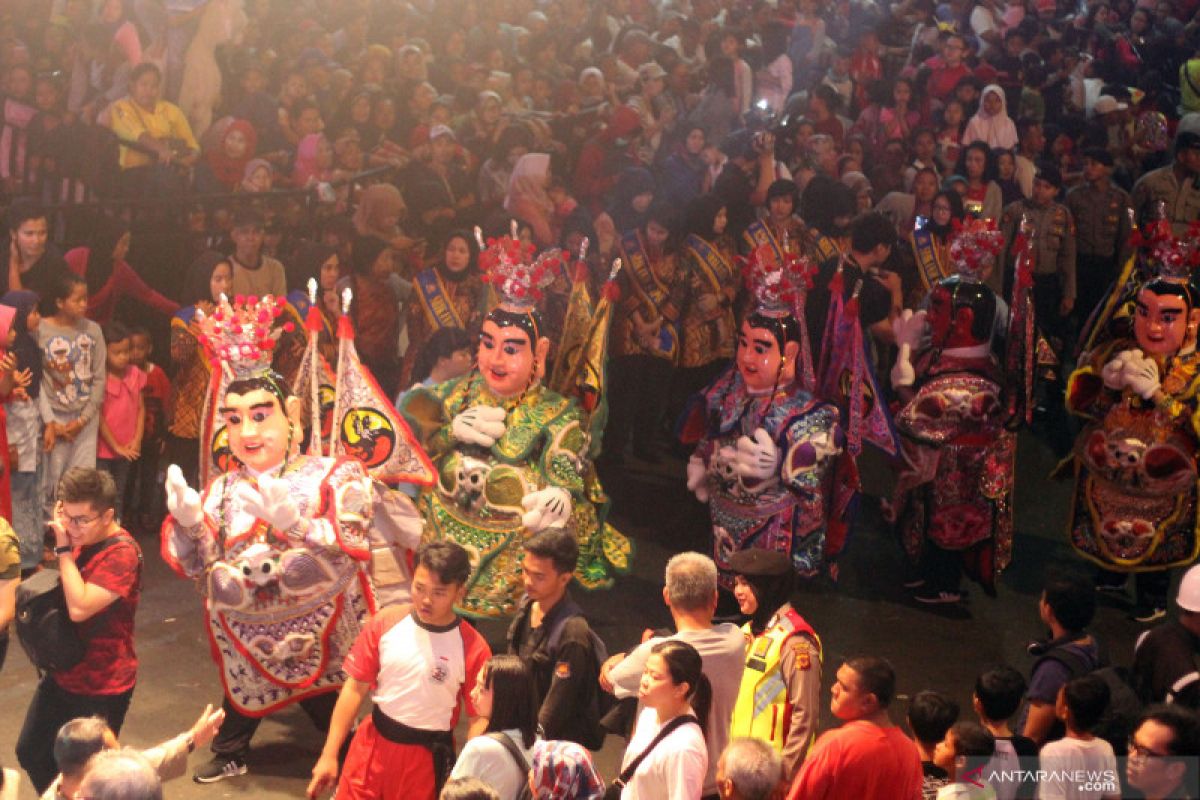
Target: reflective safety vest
763	709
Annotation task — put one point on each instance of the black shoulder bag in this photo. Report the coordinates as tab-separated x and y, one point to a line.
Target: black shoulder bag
613	792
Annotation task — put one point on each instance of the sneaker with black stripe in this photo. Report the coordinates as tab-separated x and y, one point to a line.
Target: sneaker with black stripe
219	768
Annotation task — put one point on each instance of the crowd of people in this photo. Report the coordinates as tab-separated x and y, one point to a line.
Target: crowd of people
527	224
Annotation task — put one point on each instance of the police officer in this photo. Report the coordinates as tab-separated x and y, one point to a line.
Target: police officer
1173	185
1166	660
1101	213
779	698
1054	251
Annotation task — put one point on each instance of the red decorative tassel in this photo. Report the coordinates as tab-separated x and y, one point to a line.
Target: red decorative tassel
611	291
345	328
581	272
852	307
312	320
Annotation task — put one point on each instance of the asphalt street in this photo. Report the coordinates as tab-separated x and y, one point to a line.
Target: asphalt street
867	612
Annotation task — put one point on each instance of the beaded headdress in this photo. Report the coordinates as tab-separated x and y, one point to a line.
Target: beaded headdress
510	266
974	246
1169	257
241	336
778	279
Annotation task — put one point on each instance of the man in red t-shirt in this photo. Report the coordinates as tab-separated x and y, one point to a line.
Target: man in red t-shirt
421	660
867	758
100	567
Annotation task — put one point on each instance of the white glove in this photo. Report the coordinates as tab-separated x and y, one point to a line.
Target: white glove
271	502
903	373
546	508
481	425
182	500
1141	375
757	458
909	328
1112	372
697	478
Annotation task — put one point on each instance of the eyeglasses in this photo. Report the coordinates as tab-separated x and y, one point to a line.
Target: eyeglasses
82	522
1137	751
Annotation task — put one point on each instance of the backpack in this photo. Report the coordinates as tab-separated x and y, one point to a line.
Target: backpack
50	638
524	793
1124	708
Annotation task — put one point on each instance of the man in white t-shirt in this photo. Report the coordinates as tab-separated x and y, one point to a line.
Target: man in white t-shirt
691	595
1080	704
422	661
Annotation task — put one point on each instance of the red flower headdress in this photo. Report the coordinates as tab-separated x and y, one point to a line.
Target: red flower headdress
779	285
241	336
1169	256
974	246
510	266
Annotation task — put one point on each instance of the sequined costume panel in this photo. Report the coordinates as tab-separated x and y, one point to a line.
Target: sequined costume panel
476	500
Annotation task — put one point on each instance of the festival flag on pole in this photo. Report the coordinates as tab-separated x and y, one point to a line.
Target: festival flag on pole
847	378
367	426
315	381
580	370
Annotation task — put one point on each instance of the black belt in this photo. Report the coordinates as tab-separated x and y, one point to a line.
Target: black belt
440	744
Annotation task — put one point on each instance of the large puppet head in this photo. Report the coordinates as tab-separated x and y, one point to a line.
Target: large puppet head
961	313
259	415
262	421
1167	308
512	350
1166	316
771	338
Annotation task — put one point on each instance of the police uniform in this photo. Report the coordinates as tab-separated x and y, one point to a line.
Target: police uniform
1054	257
779	697
1181	199
1101	241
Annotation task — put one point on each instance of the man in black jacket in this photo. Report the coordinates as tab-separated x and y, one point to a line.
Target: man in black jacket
551	635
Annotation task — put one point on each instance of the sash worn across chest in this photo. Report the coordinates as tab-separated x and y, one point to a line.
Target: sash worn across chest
928	258
439	310
653	291
715	268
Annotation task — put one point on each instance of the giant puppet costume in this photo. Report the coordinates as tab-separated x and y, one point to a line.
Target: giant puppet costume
1135	506
278	542
512	457
953	496
770	459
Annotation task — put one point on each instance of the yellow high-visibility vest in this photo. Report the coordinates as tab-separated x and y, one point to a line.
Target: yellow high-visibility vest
763	709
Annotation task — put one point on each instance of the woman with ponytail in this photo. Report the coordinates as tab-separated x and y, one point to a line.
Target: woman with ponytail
667	757
109	276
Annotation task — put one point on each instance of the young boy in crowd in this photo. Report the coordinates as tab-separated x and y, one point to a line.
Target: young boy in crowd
123	415
966	746
1080	704
422	661
930	715
997	697
73	379
145	493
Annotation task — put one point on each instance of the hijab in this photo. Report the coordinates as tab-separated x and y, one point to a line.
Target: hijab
376	204
996	130
306	168
562	770
197	283
230	171
527	186
29	355
248	173
630	183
